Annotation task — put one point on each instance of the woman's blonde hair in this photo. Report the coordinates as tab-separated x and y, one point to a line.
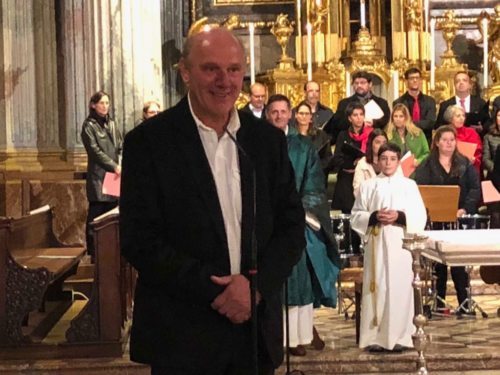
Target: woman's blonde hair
409	125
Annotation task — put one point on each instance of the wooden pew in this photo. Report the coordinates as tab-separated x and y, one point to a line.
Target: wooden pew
32	260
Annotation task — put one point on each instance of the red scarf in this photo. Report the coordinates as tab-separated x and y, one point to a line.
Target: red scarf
362	136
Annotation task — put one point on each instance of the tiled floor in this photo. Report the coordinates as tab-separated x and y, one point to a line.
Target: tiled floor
455	345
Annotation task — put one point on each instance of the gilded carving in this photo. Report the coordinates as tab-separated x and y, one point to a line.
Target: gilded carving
413	13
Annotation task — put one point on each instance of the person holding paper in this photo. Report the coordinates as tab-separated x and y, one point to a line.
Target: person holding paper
387	206
367	167
312	282
421	107
475	108
490	143
377	110
455	116
446	166
350	148
402	131
103	142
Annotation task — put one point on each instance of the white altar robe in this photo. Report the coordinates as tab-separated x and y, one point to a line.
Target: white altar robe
387	313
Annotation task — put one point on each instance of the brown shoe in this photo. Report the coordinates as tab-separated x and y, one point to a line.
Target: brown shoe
298	351
317	343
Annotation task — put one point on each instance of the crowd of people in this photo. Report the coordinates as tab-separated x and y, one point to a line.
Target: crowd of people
207	190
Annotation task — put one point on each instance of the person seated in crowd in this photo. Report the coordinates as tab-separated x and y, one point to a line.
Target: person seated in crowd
150	109
350	147
321	114
491	143
495	107
402	131
362	85
387	207
455	116
256	105
475	108
312	282
318	137
367	167
446	166
422	107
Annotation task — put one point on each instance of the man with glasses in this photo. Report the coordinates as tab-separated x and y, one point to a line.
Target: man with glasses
362	85
256	106
422	107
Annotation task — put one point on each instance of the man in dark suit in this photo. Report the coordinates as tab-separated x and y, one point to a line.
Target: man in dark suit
362	84
256	105
496	106
422	107
321	114
476	109
187	218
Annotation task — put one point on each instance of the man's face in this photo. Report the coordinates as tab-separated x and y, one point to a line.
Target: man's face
214	75
362	86
357	119
279	114
414	82
388	162
462	84
258	96
312	93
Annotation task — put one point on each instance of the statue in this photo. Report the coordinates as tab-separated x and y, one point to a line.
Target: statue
413	14
493	36
317	15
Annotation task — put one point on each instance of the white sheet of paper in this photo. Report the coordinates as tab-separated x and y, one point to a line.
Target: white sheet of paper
373	111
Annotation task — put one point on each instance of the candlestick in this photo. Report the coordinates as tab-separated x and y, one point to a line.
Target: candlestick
426	15
309	51
363	13
485	52
251	32
347	84
433	54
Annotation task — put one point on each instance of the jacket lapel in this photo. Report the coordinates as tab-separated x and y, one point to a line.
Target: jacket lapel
197	164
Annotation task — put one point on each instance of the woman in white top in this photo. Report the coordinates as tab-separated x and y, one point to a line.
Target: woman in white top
367	167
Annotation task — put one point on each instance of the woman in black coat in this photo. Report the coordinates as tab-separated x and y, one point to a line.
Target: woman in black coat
446	166
103	143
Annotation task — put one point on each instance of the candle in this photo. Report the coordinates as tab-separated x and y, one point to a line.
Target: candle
299	10
347	84
426	14
433	54
395	84
251	32
485	52
309	51
363	15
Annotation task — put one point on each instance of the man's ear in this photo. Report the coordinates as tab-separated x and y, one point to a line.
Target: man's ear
184	71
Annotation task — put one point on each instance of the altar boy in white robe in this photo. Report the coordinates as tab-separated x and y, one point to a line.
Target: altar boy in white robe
385	208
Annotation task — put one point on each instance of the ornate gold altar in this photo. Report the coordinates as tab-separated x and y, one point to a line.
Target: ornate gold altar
336	53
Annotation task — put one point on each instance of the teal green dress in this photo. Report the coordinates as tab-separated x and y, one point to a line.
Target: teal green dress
313	278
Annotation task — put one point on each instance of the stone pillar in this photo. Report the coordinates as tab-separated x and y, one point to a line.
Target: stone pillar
110	45
174	12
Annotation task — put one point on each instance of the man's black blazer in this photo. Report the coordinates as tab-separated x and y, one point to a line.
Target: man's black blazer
427	110
247	109
478	113
172	231
340	122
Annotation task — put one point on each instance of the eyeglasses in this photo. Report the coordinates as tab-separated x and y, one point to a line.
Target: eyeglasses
414	78
304	113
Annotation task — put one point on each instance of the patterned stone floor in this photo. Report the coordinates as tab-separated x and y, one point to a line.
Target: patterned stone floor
466	346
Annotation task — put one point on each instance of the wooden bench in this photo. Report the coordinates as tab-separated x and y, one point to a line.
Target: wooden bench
32	260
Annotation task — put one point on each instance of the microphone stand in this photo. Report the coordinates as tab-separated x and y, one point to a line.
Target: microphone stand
252	272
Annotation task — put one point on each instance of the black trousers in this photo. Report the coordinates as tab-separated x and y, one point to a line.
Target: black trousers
95	209
460	280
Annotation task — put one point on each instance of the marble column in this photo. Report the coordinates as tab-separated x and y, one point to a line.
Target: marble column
110	45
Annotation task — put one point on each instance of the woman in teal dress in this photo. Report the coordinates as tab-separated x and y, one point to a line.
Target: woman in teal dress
402	131
312	282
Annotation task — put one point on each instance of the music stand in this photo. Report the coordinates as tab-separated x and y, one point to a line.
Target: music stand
441	203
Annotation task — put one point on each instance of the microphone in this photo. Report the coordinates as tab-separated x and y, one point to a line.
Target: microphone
252	272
